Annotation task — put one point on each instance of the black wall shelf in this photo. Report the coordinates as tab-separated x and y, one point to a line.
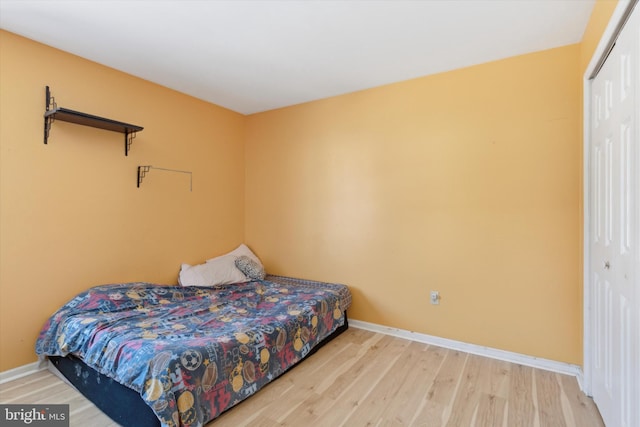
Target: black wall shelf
53	112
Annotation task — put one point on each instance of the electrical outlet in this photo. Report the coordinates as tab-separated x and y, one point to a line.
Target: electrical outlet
435	297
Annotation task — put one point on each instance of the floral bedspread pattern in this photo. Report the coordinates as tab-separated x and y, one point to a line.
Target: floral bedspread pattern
193	352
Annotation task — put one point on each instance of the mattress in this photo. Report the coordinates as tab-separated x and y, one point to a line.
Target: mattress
188	353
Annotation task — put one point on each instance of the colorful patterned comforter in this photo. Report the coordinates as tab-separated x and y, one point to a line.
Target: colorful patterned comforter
193	352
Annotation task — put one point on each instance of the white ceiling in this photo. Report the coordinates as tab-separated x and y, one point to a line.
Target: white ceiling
257	55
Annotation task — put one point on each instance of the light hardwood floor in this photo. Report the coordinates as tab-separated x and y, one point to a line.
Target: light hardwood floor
366	379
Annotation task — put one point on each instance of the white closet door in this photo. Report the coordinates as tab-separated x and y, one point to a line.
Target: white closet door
614	231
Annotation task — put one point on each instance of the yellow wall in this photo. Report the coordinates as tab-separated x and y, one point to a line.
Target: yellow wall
464	182
70	213
468	182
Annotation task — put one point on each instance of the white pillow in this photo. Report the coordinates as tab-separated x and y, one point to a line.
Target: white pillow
241	250
218	271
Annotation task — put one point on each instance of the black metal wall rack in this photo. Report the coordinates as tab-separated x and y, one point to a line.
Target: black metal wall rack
144	170
53	112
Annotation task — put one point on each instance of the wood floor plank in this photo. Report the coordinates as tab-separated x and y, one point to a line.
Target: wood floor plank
336	385
90	416
498	379
405	407
490	411
444	385
585	413
435	408
478	379
466	396
36	376
10	394
360	336
549	400
370	411
430	414
292	405
367	379
374	366
520	401
43	390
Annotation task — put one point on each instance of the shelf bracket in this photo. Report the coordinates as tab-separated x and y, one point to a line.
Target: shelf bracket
128	140
49	103
143	170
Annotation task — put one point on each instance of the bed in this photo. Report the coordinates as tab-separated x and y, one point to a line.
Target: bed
150	355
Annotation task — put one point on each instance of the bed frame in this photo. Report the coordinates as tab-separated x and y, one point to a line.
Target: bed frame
122	404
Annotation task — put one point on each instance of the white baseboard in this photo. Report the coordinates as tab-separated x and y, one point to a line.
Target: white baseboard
580	379
494	353
20	371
